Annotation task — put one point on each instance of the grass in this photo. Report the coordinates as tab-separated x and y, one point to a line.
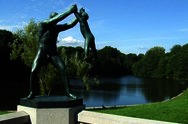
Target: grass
174	110
4	112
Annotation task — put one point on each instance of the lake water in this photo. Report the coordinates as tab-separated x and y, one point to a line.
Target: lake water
127	90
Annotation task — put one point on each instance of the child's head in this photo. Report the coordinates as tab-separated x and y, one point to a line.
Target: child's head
53	14
84	14
82	10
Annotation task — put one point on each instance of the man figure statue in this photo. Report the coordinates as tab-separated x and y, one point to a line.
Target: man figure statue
47	51
82	17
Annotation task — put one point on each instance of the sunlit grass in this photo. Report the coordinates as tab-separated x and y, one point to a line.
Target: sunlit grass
174	110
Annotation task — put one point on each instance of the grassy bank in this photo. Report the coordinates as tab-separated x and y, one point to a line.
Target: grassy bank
174	110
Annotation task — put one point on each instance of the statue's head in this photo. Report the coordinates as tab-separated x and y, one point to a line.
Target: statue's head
82	10
53	14
84	14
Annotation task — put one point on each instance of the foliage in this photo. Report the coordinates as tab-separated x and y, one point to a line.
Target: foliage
90	82
5	38
157	63
176	63
147	66
76	67
26	43
48	78
17	45
114	63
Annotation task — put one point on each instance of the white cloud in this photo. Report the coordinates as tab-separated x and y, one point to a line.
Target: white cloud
13	27
10	27
70	41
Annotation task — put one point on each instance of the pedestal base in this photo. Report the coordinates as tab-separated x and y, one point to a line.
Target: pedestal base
51	102
52	109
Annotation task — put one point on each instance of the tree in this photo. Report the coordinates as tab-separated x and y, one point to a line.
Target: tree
111	60
175	49
183	64
173	63
6	38
78	68
147	66
26	43
131	59
162	67
13	73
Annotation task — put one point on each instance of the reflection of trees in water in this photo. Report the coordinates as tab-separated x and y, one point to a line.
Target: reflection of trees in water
132	88
107	92
156	90
111	90
98	97
132	84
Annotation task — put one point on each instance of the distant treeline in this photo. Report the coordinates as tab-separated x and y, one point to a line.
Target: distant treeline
157	63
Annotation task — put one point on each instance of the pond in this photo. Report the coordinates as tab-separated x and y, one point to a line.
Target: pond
127	90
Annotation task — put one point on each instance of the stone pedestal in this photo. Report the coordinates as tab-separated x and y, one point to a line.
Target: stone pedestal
52	109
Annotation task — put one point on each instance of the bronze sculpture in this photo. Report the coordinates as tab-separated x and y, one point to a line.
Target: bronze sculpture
47	51
82	17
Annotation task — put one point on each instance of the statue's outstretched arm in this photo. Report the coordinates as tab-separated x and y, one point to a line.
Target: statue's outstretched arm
78	16
67	26
62	16
73	23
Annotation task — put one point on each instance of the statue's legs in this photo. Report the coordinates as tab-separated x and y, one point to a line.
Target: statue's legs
86	49
33	87
34	84
93	48
59	64
90	43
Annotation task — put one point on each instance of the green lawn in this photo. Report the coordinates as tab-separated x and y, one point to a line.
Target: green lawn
174	110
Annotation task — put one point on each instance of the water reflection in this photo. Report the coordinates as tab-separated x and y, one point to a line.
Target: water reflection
159	89
127	90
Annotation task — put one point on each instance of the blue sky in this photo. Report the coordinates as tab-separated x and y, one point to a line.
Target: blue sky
131	26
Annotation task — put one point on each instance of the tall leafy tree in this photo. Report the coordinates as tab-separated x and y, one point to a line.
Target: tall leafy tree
183	64
12	73
147	66
111	61
78	68
6	38
173	63
26	43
